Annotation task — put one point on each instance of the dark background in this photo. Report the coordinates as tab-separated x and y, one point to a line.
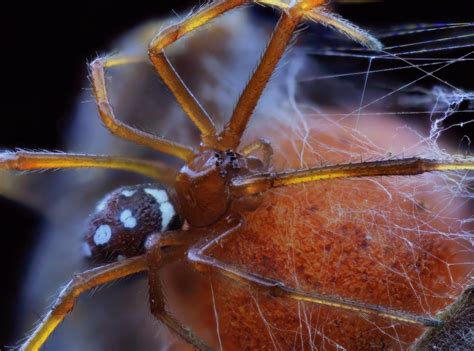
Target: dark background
45	48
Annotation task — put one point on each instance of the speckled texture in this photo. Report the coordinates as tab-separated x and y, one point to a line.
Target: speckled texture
389	242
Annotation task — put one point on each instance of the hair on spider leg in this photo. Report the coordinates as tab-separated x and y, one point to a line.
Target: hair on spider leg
346	218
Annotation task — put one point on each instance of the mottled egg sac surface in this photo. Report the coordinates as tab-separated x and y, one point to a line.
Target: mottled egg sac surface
386	241
125	218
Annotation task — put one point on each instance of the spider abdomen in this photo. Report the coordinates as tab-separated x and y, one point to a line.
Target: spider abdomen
125	218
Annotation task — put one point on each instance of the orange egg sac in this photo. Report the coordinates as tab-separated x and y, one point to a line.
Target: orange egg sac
396	242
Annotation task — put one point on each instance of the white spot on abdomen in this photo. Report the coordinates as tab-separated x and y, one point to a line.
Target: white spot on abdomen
127	219
159	195
167	212
128	193
102	234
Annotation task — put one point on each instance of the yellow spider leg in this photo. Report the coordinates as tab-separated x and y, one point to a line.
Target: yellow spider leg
121	129
27	161
327	18
172	79
79	284
232	225
259	183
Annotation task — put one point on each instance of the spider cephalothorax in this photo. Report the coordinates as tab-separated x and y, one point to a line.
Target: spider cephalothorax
203	186
212	188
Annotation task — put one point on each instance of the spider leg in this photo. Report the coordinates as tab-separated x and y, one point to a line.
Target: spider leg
121	129
289	20
260	145
196	255
322	15
455	323
172	79
164	248
80	283
27	161
230	137
259	183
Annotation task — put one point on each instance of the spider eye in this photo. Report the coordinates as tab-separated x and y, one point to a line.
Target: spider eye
125	218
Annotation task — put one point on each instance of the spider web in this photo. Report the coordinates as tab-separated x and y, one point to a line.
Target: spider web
413	234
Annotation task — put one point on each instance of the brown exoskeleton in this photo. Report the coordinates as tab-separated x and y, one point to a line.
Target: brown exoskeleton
219	180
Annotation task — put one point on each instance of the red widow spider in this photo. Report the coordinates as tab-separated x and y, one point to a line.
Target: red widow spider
146	227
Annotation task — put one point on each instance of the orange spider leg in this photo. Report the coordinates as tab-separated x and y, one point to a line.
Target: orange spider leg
232	225
172	79
121	129
164	248
27	161
80	283
291	17
289	20
259	183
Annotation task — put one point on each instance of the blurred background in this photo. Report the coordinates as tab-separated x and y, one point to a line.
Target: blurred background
44	53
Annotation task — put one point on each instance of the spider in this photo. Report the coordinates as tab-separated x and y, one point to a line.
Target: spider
146	227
